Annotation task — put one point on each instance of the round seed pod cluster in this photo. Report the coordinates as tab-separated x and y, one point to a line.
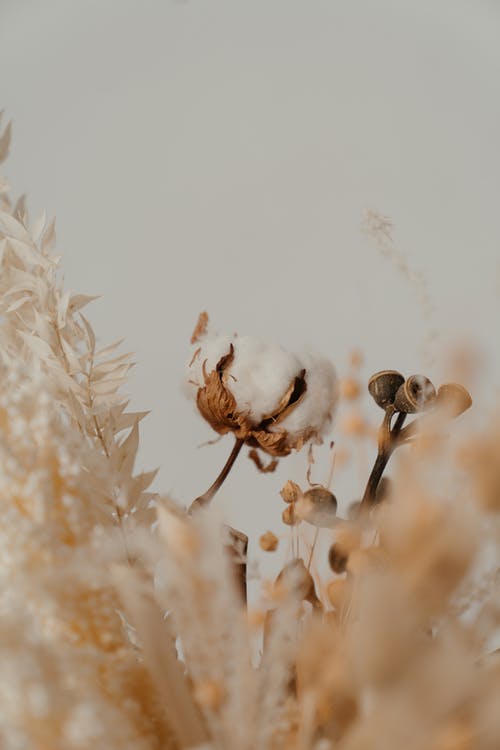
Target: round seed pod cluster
390	389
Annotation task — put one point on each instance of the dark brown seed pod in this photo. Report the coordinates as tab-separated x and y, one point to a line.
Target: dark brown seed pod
317	506
454	399
415	395
337	557
384	385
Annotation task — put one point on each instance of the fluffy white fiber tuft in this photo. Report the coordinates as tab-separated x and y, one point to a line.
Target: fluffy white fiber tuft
317	406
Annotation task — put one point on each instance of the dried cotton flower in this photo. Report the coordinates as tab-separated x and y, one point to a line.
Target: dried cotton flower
269	398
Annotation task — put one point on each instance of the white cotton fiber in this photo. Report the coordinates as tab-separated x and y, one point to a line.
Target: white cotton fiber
317	406
262	374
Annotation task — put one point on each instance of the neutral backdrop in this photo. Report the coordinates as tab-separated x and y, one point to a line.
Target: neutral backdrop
219	155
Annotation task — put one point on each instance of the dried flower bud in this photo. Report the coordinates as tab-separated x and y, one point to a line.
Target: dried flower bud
288	515
416	394
350	389
454	399
337	557
384	385
268	542
290	492
317	506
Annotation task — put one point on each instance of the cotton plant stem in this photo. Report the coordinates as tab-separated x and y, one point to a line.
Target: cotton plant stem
387	445
238	547
205	499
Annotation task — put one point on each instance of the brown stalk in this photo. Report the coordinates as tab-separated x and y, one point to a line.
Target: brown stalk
388	441
207	496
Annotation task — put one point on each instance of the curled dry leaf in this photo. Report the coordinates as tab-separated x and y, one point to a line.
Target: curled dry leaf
200	328
263	468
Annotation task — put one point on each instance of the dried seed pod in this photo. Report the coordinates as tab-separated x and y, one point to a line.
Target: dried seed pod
268	542
296	574
290	492
384	385
337	557
317	506
454	399
415	395
288	515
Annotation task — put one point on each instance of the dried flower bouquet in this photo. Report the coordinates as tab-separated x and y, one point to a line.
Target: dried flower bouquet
124	623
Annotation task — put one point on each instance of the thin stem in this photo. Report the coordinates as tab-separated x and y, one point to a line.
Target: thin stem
387	443
215	487
374	479
312	549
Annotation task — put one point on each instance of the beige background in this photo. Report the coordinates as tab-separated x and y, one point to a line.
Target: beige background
219	155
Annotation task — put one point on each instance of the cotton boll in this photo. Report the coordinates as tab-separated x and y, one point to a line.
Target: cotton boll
316	408
260	375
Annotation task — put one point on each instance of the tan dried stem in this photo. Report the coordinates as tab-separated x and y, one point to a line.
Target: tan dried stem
207	496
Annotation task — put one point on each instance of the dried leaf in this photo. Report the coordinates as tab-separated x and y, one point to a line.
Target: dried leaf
13	229
38	227
264	468
79	301
17	304
200	328
128	450
38	346
160	657
49	238
101	353
5	139
124	421
90	333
